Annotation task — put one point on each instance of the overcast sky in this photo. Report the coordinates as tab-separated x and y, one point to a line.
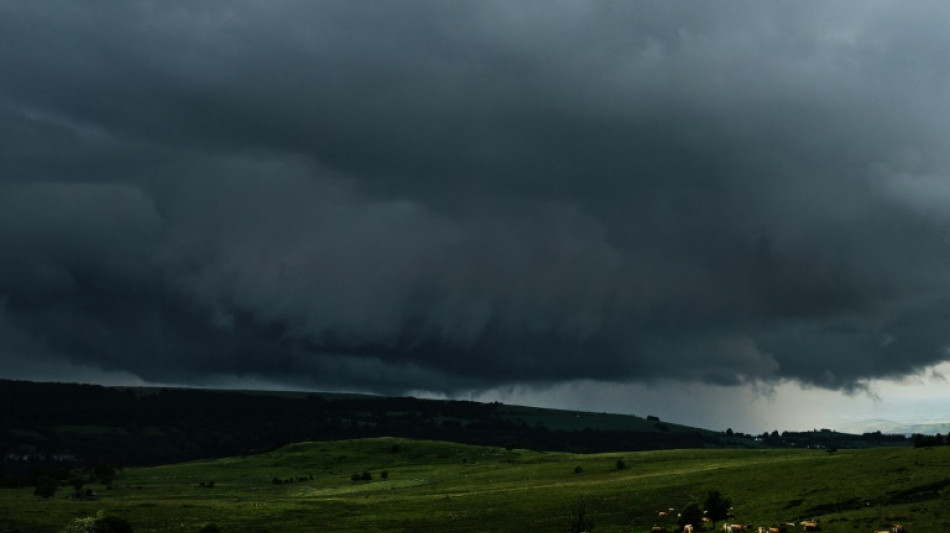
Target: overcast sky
744	206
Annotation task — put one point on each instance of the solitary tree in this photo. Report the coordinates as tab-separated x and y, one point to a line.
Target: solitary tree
717	507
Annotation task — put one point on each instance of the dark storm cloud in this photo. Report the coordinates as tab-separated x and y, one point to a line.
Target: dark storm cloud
453	196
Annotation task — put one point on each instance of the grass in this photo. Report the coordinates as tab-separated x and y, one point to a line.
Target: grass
441	487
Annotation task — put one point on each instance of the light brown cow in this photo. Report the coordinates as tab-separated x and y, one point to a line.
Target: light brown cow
688	528
739	528
810	525
774	530
897	528
658	529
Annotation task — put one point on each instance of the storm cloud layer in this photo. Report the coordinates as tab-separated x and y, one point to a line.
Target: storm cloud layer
454	196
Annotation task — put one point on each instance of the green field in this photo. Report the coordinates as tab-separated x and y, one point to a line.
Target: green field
444	487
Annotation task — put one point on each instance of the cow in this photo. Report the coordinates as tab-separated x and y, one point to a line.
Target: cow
688	528
658	529
761	529
897	528
809	525
774	530
739	528
661	514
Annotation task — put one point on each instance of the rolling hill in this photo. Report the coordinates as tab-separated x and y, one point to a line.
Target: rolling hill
53	427
420	486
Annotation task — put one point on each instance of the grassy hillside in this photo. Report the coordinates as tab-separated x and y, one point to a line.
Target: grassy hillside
61	426
442	487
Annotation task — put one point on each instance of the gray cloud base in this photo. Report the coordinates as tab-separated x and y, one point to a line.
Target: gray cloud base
446	197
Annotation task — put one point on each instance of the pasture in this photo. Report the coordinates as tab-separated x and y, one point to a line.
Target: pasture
438	487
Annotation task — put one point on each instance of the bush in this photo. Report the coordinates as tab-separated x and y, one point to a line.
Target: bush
105	473
578	469
579	521
99	524
113	524
45	487
210	528
82	525
620	464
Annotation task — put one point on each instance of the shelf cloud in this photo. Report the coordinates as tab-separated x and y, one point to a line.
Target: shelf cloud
457	197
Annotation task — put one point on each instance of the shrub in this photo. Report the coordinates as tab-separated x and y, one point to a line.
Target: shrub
82	525
210	527
100	523
620	464
579	521
45	487
112	524
76	482
105	473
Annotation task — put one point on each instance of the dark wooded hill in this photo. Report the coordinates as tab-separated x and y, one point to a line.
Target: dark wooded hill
60	425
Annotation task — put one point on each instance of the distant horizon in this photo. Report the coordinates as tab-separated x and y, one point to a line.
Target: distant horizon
906	426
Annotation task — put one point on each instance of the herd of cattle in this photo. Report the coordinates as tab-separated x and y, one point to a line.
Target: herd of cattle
785	527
